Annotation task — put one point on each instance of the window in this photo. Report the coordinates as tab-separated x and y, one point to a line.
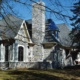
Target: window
20	53
67	52
28	46
6	53
29	53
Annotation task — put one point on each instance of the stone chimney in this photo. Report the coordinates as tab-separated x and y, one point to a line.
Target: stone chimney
38	21
38	28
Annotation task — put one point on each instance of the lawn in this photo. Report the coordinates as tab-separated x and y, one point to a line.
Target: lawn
68	74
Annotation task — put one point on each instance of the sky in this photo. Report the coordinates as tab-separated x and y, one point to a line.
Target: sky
24	11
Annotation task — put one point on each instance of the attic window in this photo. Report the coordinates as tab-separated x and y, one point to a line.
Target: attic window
23	24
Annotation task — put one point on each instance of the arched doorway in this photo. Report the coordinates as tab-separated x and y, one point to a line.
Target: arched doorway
20	53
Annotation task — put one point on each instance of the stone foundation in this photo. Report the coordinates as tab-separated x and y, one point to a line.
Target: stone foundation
28	65
4	65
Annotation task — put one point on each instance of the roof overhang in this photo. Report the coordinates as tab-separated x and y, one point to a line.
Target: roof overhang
7	41
31	44
49	44
68	47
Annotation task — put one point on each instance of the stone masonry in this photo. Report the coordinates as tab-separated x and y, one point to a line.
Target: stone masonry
38	29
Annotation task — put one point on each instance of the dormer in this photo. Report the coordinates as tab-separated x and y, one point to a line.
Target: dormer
51	34
53	28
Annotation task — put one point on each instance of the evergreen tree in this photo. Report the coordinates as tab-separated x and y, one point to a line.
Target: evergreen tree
75	33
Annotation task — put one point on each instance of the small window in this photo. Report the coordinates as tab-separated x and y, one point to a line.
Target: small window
20	53
29	59
23	24
29	54
28	46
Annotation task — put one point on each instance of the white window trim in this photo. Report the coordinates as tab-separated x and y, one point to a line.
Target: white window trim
2	53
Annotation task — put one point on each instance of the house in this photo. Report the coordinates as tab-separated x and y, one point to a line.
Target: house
32	43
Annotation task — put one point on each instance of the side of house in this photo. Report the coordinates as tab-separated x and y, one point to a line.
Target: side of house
34	43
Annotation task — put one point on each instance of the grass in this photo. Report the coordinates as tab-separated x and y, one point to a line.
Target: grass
67	74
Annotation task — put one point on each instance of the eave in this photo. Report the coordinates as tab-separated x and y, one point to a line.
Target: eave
67	47
7	41
49	44
31	44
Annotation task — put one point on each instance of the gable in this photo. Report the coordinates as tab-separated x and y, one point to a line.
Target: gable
12	27
23	33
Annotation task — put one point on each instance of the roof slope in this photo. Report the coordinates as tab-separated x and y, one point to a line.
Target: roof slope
64	35
9	26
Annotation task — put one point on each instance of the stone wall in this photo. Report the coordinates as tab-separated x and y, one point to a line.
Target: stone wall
48	53
27	65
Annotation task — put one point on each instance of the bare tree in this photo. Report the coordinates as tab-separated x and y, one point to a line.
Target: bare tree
7	7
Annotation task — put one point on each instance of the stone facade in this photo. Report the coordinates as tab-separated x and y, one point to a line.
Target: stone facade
20	54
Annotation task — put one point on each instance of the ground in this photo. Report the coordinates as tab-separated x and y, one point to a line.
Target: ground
56	74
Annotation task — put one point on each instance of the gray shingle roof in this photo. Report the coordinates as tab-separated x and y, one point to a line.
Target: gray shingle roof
9	26
64	35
